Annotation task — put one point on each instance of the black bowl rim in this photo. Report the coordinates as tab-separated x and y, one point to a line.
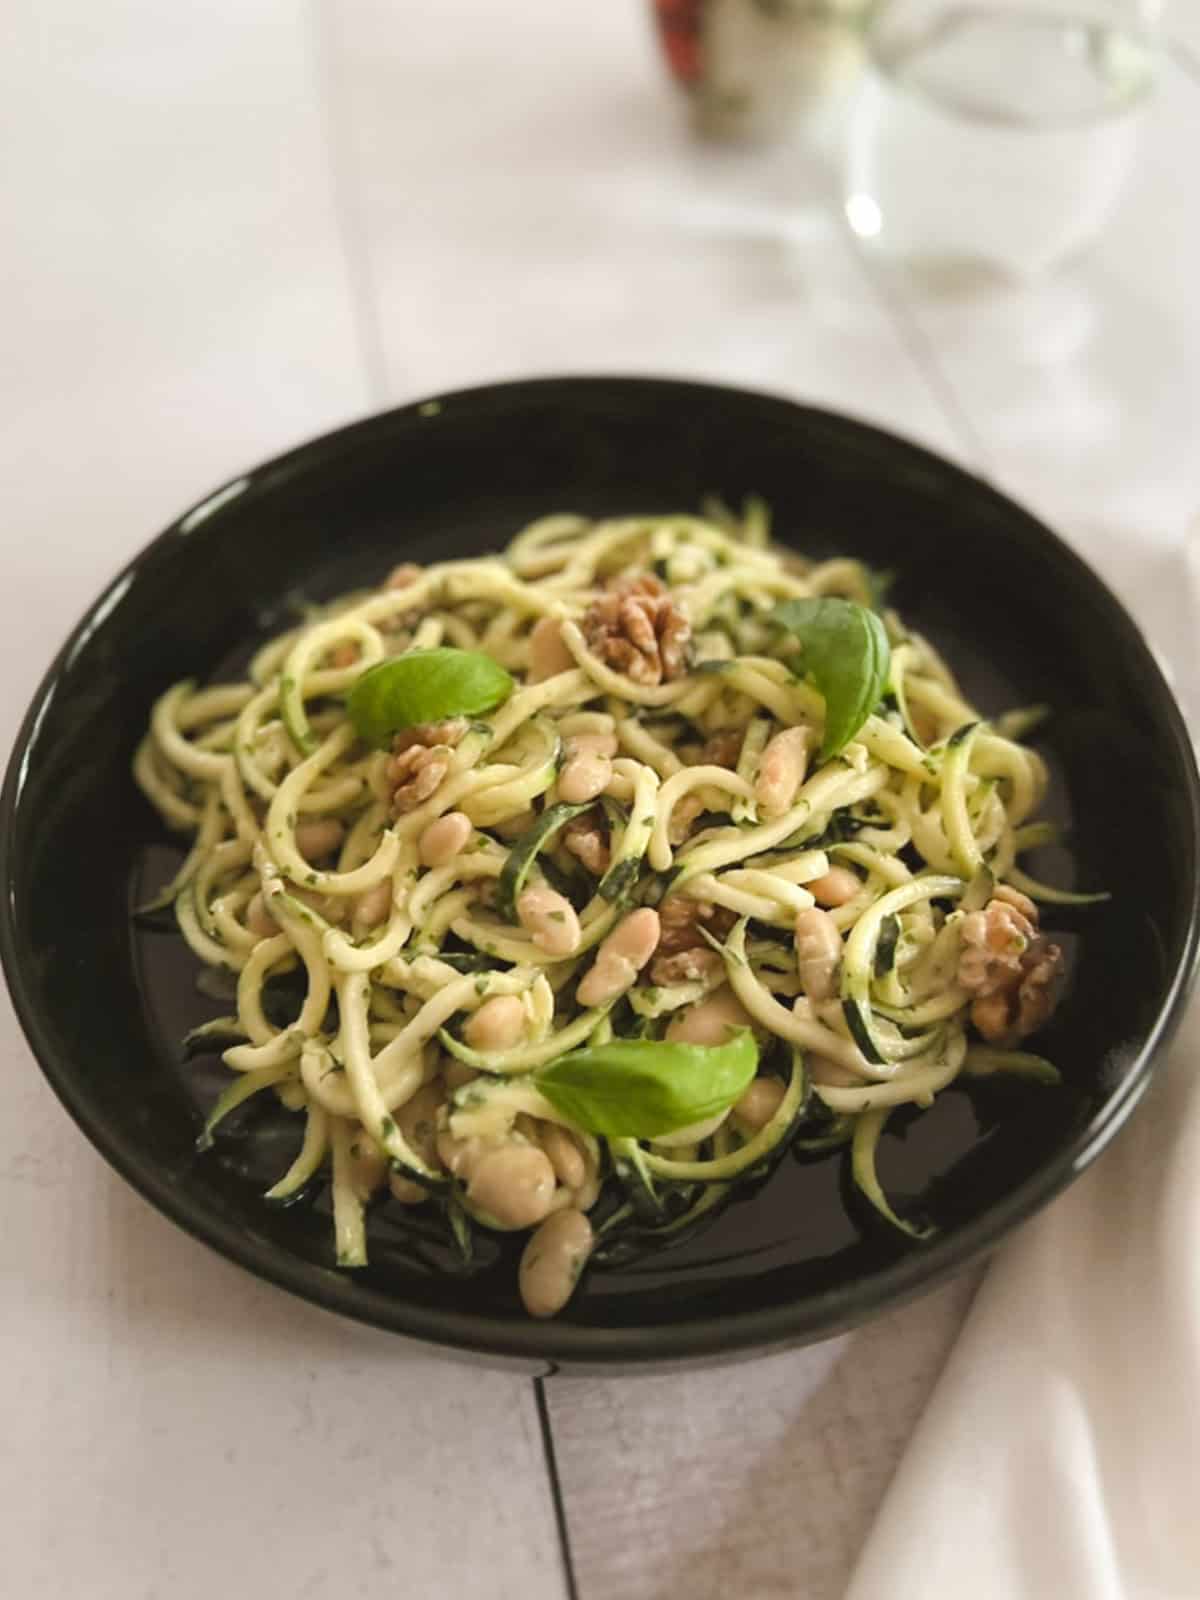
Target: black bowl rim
818	1315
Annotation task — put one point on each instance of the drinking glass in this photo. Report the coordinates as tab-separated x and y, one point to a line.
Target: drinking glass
990	139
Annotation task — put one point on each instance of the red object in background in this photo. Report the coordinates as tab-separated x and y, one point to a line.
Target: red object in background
679	25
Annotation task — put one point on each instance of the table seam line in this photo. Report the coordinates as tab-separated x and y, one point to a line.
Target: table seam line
557	1498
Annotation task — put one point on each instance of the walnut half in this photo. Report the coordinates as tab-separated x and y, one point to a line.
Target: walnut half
683	953
420	760
636	628
1009	967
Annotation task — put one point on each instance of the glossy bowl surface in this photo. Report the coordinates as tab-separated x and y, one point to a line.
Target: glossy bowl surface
1019	615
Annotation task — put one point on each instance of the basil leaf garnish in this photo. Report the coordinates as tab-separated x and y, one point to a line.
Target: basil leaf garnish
639	1088
847	655
424	686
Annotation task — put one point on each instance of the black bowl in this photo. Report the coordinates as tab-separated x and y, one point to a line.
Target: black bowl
105	1005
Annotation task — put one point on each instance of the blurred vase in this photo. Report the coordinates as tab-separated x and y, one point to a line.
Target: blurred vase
754	69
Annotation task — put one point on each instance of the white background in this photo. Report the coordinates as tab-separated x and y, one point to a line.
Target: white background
230	226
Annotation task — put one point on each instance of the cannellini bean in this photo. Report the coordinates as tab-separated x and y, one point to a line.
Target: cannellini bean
620	958
548	655
760	1102
259	920
330	906
512	1184
584	777
368	1165
417	1121
549	919
552	1262
709	1021
444	838
781	770
373	906
564	1155
319	836
497	1025
458	1156
818	952
835	887
510	828
406	1191
456	1073
831	1073
593	744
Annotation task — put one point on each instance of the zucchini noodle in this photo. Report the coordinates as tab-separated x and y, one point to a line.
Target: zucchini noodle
866	917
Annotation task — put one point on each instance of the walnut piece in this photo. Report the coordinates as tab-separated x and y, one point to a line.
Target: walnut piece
681	919
686	966
994	941
1009	967
430	733
420	760
636	628
722	749
684	815
586	837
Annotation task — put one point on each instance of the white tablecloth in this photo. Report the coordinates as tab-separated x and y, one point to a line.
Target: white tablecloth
232	226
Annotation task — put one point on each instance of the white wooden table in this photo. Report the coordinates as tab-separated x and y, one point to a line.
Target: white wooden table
231	226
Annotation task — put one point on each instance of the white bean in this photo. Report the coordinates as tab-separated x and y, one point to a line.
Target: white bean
444	838
818	952
593	744
584	777
458	1156
497	1025
831	1073
548	655
709	1021
319	836
373	906
781	770
620	958
512	1184
760	1102
564	1154
259	920
552	1262
456	1073
406	1191
550	921
834	887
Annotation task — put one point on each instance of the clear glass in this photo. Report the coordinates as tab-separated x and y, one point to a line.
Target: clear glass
990	139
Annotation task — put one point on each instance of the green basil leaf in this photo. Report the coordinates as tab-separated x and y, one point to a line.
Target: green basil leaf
424	686
847	655
639	1088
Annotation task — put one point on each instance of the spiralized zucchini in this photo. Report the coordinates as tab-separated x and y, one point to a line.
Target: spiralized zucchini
426	1005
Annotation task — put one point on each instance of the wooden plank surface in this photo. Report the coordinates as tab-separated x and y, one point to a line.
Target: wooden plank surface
179	304
757	1480
530	201
232	231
